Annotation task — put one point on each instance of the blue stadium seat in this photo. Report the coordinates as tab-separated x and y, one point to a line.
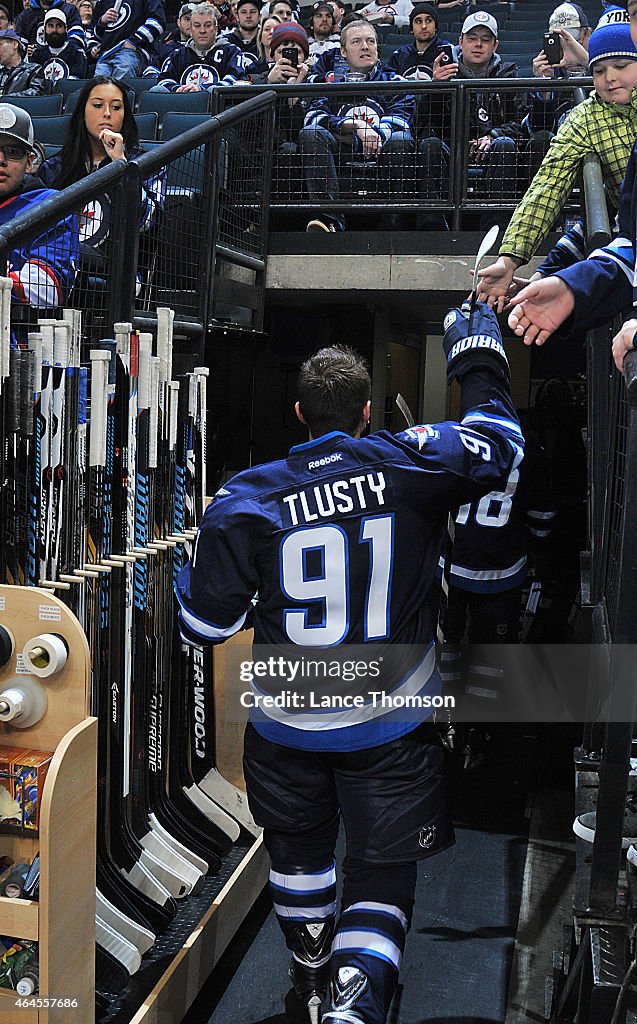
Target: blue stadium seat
165	102
146	126
65	86
52	131
176	123
38	106
139	86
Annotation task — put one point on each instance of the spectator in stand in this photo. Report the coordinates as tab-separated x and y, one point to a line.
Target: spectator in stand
102	129
5	17
169	41
323	29
264	40
415	60
59	57
363	128
204	61
283	9
280	69
18	77
387	12
226	18
245	34
604	124
127	34
495	123
30	22
548	108
91	42
294	13
43	270
339	13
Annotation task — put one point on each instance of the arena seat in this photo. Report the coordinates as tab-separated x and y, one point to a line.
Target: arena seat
163	103
38	106
52	131
147	126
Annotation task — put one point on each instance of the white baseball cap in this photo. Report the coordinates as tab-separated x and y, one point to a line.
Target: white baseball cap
55	13
480	20
570	17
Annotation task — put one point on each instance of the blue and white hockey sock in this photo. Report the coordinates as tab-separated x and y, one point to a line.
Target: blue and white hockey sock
366	956
302	899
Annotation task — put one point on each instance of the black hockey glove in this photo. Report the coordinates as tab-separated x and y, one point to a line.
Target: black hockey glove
472	342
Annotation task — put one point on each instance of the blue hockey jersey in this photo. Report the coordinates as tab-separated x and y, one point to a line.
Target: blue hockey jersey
42	270
29	24
139	21
492	534
223	64
341	540
383	112
68	61
407	61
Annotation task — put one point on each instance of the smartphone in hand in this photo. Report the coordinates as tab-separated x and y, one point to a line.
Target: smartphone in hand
292	54
552	47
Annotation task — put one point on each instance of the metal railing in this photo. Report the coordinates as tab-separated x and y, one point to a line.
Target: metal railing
424	176
164	228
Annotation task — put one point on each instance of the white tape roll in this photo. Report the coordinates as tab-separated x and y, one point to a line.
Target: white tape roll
44	655
23	702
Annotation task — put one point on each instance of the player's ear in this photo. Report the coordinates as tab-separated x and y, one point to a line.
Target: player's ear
299	414
367	412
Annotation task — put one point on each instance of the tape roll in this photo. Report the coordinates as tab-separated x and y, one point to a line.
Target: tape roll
7	645
46	654
23	702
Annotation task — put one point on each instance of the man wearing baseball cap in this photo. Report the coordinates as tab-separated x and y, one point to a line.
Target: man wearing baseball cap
415	60
18	77
43	270
59	57
322	29
495	123
244	33
30	23
169	41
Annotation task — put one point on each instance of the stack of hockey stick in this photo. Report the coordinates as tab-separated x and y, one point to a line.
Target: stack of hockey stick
103	484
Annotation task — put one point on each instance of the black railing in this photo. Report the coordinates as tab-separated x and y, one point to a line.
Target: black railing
418	177
164	228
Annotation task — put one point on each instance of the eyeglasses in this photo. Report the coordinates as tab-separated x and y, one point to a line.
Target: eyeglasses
13	153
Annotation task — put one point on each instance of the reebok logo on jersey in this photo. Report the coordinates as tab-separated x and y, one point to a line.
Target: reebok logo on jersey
451	318
318	463
477	341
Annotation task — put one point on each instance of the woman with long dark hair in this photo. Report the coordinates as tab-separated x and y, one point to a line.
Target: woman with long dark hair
102	129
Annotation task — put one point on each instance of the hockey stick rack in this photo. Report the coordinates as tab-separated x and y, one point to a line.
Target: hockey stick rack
63	920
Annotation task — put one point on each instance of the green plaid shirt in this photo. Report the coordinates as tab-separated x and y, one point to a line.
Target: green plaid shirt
594	126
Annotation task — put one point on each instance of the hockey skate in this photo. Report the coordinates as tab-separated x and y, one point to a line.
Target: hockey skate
310	967
348	985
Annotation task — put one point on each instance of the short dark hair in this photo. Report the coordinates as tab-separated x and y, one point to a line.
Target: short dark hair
333	387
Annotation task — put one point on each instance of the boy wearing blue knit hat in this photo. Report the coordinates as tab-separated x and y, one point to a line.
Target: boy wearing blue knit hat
605	124
595	290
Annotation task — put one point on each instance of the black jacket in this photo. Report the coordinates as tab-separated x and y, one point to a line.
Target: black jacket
25	80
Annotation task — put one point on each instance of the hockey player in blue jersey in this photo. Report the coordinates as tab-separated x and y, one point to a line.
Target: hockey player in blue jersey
487	569
340	541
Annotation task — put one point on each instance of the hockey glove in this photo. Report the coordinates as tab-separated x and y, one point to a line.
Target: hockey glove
468	343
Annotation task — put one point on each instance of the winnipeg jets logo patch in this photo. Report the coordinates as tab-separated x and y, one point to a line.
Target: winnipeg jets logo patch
55	70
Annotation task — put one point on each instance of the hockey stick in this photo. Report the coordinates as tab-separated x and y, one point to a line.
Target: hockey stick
469	305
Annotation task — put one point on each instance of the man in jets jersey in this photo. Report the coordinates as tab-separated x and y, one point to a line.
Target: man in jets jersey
340	541
203	62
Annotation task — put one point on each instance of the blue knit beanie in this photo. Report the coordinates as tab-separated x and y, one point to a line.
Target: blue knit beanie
611	42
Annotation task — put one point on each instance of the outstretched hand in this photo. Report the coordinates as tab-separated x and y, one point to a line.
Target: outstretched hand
623	342
494	281
540	309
